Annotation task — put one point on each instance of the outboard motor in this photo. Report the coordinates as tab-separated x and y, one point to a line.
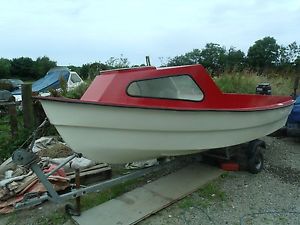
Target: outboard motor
264	89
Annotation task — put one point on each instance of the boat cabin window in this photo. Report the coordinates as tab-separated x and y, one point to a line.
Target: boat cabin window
181	87
75	78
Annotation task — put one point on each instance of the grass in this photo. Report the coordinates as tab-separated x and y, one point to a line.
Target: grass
212	191
8	143
246	83
205	196
186	203
94	199
56	218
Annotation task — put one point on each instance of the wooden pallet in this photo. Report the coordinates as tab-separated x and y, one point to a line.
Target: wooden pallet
93	174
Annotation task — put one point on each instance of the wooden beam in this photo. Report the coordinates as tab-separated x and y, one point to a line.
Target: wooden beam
27	106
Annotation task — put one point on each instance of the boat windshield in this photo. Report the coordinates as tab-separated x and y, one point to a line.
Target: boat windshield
181	87
75	78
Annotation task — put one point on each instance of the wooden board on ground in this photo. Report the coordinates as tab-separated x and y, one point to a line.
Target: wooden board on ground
141	202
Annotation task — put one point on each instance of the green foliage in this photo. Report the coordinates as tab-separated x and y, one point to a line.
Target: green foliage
235	60
41	66
5	66
212	191
186	203
56	218
237	83
75	68
246	83
263	54
93	199
22	67
193	57
92	70
213	58
205	196
9	144
77	92
63	85
117	63
25	68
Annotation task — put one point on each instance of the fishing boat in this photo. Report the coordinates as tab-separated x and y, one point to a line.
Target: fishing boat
141	113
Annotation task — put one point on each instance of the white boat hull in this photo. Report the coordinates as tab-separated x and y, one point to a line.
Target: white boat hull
120	134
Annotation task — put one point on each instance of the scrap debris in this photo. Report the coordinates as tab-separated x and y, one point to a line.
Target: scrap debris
18	183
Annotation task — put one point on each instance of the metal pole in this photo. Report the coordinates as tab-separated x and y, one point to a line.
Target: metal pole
77	182
148	61
44	180
62	164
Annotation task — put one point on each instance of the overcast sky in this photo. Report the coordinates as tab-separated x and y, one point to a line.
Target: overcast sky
77	31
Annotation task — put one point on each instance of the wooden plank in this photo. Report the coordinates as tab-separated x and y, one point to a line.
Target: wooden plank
93	174
7	103
134	206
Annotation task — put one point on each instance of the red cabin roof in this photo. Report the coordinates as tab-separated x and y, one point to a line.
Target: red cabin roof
111	88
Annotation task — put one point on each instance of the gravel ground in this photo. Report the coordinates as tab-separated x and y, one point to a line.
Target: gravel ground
270	197
235	198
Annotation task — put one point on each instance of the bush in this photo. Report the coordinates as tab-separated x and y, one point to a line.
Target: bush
9	145
77	92
246	83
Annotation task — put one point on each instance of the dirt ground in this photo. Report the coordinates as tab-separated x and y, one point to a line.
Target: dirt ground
270	197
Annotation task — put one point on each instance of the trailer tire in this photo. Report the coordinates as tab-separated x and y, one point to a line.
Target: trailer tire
256	161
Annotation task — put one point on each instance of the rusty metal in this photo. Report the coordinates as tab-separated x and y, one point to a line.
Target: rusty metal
77	183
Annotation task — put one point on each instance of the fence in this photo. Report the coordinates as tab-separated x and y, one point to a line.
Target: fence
10	108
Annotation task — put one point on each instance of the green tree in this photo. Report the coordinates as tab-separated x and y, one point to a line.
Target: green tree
235	60
288	54
22	67
213	58
92	69
263	54
41	66
117	63
179	61
5	65
76	69
189	58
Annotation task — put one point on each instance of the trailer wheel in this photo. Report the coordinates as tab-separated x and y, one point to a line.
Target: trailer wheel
256	161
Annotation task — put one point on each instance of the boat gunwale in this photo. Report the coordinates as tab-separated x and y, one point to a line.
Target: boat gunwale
252	109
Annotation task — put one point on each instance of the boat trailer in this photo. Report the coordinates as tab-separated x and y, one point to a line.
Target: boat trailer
28	159
248	155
